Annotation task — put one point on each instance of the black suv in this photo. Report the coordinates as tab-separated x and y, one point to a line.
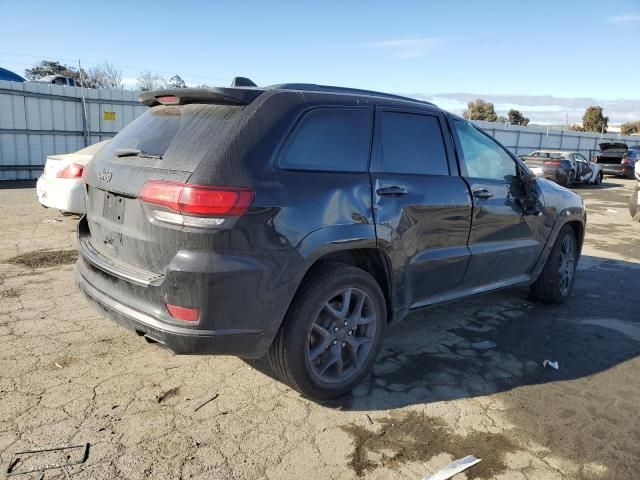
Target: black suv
297	221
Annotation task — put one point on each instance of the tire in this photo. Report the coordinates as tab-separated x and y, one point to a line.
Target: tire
568	182
308	342
553	286
598	179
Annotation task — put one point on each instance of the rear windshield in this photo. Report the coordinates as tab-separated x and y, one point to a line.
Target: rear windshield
179	136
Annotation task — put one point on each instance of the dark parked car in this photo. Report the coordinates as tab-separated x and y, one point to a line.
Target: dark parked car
617	159
629	161
298	221
565	168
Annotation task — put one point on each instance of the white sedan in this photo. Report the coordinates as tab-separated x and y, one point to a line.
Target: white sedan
60	186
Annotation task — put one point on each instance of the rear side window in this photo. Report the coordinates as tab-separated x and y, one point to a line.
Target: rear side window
330	139
413	144
181	135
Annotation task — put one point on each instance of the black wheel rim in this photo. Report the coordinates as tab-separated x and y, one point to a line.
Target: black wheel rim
341	336
567	264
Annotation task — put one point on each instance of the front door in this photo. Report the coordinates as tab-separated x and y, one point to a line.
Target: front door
504	242
422	207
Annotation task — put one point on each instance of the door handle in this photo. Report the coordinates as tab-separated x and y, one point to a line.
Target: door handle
392	191
482	193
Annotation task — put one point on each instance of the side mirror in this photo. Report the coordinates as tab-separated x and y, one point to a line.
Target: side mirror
524	188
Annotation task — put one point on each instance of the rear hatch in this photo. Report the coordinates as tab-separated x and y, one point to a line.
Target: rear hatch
166	143
611	152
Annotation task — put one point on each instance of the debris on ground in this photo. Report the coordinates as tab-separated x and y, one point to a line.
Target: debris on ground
44	258
553	365
454	468
484	345
204	402
167	394
51	220
41	459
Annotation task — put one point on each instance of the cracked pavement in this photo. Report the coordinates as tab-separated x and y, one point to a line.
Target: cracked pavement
69	376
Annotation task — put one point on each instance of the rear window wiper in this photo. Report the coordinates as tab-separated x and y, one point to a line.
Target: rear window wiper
135	152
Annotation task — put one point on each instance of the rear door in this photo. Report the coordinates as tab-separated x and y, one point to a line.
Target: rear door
504	242
422	208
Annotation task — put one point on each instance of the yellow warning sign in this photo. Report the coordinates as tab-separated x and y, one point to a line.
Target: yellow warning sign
110	116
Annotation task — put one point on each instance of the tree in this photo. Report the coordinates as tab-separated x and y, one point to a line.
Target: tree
516	118
594	121
150	81
480	110
630	127
49	67
105	76
176	82
101	76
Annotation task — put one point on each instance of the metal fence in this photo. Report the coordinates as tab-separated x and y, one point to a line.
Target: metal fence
39	119
522	140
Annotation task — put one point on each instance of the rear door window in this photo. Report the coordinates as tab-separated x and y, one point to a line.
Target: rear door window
330	139
412	144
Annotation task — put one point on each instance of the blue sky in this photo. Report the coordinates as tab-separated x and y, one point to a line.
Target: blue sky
490	48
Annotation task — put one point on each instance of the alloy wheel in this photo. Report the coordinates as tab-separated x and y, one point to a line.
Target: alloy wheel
567	264
341	336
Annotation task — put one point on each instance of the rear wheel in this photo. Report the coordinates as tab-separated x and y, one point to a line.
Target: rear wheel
332	332
555	283
569	179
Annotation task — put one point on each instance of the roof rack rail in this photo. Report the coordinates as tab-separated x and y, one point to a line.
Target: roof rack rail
312	87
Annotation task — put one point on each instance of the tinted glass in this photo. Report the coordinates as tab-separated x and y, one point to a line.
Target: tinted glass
412	144
330	139
181	134
483	158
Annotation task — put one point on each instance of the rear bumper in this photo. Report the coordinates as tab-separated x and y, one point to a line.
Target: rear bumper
64	194
182	340
557	174
618	170
240	300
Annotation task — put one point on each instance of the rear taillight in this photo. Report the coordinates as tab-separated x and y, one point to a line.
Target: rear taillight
625	160
183	313
73	170
194	205
551	162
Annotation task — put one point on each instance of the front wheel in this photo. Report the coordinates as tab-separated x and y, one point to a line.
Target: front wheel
598	179
331	335
555	283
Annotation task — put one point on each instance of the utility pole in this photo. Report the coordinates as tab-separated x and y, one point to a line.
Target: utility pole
85	120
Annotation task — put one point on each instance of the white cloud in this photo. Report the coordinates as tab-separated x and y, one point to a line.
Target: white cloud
622	19
541	109
408	47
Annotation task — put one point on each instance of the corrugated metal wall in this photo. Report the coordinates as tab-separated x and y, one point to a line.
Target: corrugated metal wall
38	119
522	140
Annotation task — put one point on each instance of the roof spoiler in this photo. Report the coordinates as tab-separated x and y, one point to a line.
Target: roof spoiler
183	96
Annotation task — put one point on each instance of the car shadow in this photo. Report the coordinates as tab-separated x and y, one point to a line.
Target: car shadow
433	356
